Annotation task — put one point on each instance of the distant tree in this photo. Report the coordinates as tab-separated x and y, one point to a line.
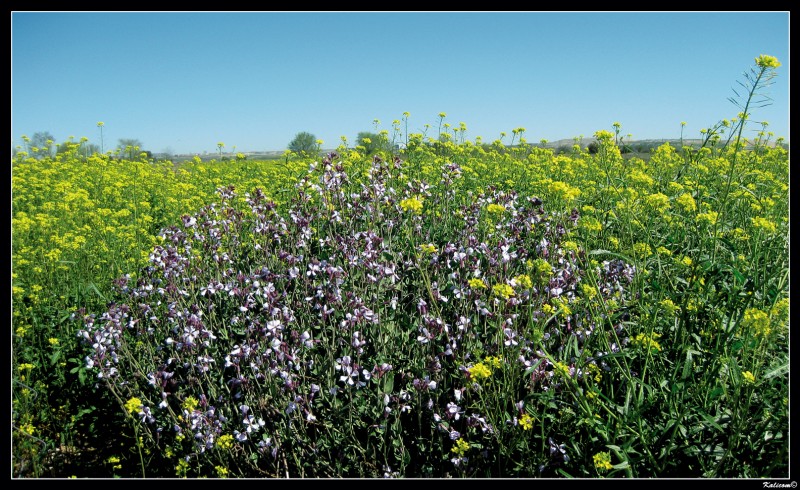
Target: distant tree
41	144
593	147
64	147
90	149
129	147
303	143
167	153
370	141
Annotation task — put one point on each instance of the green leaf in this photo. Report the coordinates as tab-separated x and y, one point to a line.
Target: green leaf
92	287
613	254
782	369
564	473
687	363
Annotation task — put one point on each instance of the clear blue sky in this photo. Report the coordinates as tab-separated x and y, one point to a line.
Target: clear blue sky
186	81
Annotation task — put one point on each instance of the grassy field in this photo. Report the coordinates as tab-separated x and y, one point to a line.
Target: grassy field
456	310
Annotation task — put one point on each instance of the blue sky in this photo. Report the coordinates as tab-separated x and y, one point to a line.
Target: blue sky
186	81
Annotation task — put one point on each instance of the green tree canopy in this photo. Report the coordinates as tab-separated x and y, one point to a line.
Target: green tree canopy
372	142
303	143
129	147
43	142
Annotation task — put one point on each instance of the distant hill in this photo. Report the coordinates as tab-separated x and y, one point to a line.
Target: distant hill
637	147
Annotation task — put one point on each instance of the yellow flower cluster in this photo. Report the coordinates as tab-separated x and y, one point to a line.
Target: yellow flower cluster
225	442
669	307
564	191
767	61
190	403
460	448
602	461
658	202
757	321
493	361
524	281
411	204
709	218
495	208
561	369
764	224
480	371
476	283
540	267
647	342
133	405
590	224
503	290
428	248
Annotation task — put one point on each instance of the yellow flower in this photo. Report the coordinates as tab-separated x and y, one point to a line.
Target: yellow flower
749	378
190	403
591	224
53	341
766	61
604	135
524	280
643	249
540	267
476	283
780	312
480	371
461	447
526	421
495	208
657	201
602	461
570	245
114	462
222	472
764	224
428	248
561	369
647	341
411	204
494	362
225	442
133	405
669	307
709	217
758	321
589	291
503	290
182	468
